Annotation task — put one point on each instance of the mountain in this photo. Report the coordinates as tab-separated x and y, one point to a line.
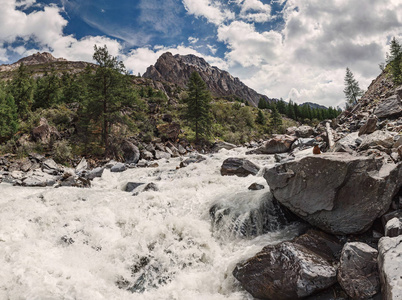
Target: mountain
39	63
314	105
178	68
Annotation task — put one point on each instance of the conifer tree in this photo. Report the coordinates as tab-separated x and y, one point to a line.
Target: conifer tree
395	61
352	90
276	119
22	89
8	116
198	107
108	93
260	118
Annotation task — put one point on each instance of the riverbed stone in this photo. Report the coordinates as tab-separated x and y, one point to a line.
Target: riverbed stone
337	192
358	271
278	144
287	271
390	107
390	266
119	167
131	152
239	166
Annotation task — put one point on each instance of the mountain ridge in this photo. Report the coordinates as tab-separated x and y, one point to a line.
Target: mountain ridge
178	68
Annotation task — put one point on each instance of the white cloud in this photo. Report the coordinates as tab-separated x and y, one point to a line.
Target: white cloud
192	40
254	11
211	10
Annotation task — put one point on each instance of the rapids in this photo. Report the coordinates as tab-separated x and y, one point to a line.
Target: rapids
105	243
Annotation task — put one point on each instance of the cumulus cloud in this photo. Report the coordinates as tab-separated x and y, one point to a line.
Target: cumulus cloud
254	11
211	10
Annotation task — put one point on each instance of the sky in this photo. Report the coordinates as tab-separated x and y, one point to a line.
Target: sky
290	49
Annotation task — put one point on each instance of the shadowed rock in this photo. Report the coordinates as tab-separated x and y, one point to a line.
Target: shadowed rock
239	166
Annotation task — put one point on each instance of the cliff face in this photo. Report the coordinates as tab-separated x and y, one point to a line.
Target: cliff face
178	68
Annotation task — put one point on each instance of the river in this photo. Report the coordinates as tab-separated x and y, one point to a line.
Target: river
105	243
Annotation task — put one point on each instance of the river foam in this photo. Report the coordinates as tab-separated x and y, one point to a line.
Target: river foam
105	243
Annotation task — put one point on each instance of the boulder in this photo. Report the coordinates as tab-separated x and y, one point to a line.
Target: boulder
82	166
39	179
222	145
347	143
390	107
303	143
304	131
369	127
119	167
160	154
393	227
131	153
337	192
145	154
131	186
239	166
192	160
44	133
97	172
287	271
151	187
390	266
49	166
358	271
278	144
377	138
256	187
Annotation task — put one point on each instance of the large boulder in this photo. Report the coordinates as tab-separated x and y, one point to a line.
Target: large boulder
131	152
337	192
390	266
288	271
369	127
378	138
222	145
304	131
346	144
169	131
390	107
358	271
278	144
239	166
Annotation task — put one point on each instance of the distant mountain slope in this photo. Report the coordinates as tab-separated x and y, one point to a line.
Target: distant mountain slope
314	105
39	63
178	68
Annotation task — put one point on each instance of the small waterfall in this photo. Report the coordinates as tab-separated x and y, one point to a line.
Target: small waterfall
248	214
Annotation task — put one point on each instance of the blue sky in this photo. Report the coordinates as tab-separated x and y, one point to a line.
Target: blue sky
281	48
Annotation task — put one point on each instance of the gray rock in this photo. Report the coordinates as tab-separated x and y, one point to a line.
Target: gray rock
97	172
255	187
347	143
278	144
222	145
377	138
151	187
369	127
287	271
161	154
337	192
110	164
239	166
131	152
390	107
393	227
131	186
145	154
119	167
358	271
304	131
390	266
49	166
182	150
303	143
82	166
40	179
192	160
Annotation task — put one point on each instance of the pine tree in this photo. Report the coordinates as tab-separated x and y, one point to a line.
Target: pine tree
260	118
395	61
276	119
108	93
198	106
352	90
8	116
22	89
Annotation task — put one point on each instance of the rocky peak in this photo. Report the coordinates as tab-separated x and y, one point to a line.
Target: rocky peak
178	68
39	58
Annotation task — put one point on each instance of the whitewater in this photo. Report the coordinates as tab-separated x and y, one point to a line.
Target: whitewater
105	243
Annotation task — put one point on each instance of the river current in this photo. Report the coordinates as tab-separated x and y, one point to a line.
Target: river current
106	243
